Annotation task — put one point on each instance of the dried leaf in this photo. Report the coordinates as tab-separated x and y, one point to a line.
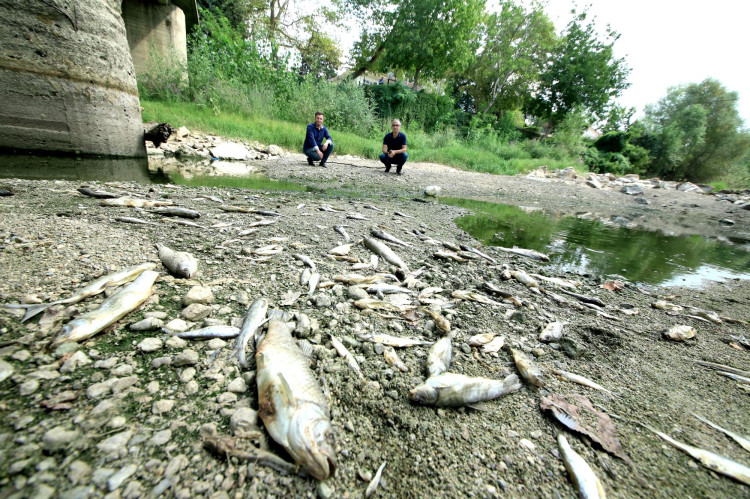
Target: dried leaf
613	286
576	413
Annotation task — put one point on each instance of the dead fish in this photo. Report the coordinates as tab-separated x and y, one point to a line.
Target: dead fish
744	442
665	305
551	332
393	359
429	291
708	315
440	322
176	211
381	288
495	345
360	266
559	282
471	296
447	255
439	356
343	258
710	460
468	255
327	207
313	283
478	253
680	333
480	339
291	404
340	230
503	294
347	356
722	367
455	390
356	216
529	371
534	255
736	377
254	317
359	279
387	237
384	252
342	250
583	477
147	324
304	276
402	214
263	222
235	209
221	225
375	481
392	341
372	207
371	304
210	332
133	220
92	289
212	198
277	239
451	246
111	310
97	193
306	260
272	249
134	203
580	380
266	213
186	223
180	263
524	278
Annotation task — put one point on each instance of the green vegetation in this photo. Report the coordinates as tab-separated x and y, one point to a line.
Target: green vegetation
503	92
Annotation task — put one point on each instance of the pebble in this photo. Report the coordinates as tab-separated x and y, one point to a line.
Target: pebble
324	490
237	385
198	294
177	326
243	419
21	355
378	348
187	374
196	312
162	406
65	349
216	344
465	348
80	492
176	343
28	387
118	478
106	363
161	361
75	360
114	443
186	358
227	398
78	472
537	434
157	314
149	345
356	293
58	438
192	387
117	422
147	324
322	301
100	389
160	438
122	370
123	384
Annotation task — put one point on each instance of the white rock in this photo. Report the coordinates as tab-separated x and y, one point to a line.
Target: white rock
150	345
152	387
227	398
216	343
229	150
275	150
433	190
187	374
78	472
106	405
117	422
124	383
122	370
237	385
185	358
192	387
244	419
147	324
162	406
198	294
118	478
58	438
100	389
196	312
177	326
160	437
28	387
43	374
157	314
175	342
116	442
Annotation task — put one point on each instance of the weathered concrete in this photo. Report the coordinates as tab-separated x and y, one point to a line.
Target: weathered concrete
153	26
67	82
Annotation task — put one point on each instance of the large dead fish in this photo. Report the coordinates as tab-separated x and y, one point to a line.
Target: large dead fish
478	253
587	484
210	332
134	203
133	220
534	255
92	289
359	279
441	322
372	304
176	211
387	237
305	259
180	263
471	296
449	389
384	252
392	341
98	194
111	310
439	356
291	403
347	356
742	440
529	371
254	317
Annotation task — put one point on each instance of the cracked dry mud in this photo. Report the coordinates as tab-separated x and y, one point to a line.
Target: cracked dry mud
124	421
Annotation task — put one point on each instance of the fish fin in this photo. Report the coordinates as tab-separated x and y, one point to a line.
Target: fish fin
260	360
286	391
34	310
480	406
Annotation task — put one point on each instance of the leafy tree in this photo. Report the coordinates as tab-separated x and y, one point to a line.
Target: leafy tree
516	44
618	119
237	12
582	74
320	57
695	132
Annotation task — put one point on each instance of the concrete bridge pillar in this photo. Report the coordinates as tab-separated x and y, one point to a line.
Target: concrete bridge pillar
67	81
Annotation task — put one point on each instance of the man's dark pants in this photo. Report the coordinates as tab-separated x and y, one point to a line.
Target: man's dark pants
313	154
397	159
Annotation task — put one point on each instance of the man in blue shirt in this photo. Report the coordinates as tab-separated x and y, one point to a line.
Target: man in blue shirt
318	144
394	148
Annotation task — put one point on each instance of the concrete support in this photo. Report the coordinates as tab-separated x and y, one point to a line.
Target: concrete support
67	82
154	26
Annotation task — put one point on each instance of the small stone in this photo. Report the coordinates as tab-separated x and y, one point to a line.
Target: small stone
198	294
324	490
393	394
244	419
21	355
175	464
28	387
322	301
161	361
537	434
162	406
117	422
356	293
186	358
176	343
191	388
43	491
208	430
304	326
122	370
77	359
160	438
58	438
216	344
196	312
378	348
152	387
114	443
227	398
177	326
118	478
149	345
237	385
123	384
187	374
147	324
65	349
78	472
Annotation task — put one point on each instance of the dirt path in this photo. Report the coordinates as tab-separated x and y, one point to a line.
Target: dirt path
112	417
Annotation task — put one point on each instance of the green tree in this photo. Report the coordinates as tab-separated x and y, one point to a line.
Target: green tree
319	57
582	74
516	45
695	132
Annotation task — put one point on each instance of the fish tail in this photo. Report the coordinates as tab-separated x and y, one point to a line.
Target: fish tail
34	310
511	384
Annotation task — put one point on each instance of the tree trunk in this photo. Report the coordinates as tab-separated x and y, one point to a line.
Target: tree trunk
416	78
360	71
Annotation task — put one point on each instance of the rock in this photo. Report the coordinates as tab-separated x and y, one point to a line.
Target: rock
65	349
43	374
378	348
28	387
114	443
632	189
175	464
175	342
726	221
58	438
122	370
275	150
187	374
433	190
177	326
689	187
593	182
78	472
100	389
356	293
237	385
198	294
152	387
162	406
160	438
182	132
216	344
642	200
80	492
230	150
304	326
227	398
161	361
680	333
186	358
191	388
149	345
156	314
147	324
243	419
322	301
124	383
117	422
196	312
324	490
118	478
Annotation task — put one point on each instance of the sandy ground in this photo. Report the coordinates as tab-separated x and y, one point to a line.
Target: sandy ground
59	417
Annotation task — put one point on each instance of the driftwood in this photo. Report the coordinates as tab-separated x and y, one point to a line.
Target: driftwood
159	133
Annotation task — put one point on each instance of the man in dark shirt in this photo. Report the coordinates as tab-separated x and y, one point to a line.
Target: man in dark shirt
318	143
394	148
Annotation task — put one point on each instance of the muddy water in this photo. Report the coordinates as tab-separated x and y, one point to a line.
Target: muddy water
604	247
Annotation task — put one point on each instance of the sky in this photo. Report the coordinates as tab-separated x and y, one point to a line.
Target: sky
667	43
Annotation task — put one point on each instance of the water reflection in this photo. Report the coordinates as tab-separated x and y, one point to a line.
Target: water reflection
590	246
78	168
